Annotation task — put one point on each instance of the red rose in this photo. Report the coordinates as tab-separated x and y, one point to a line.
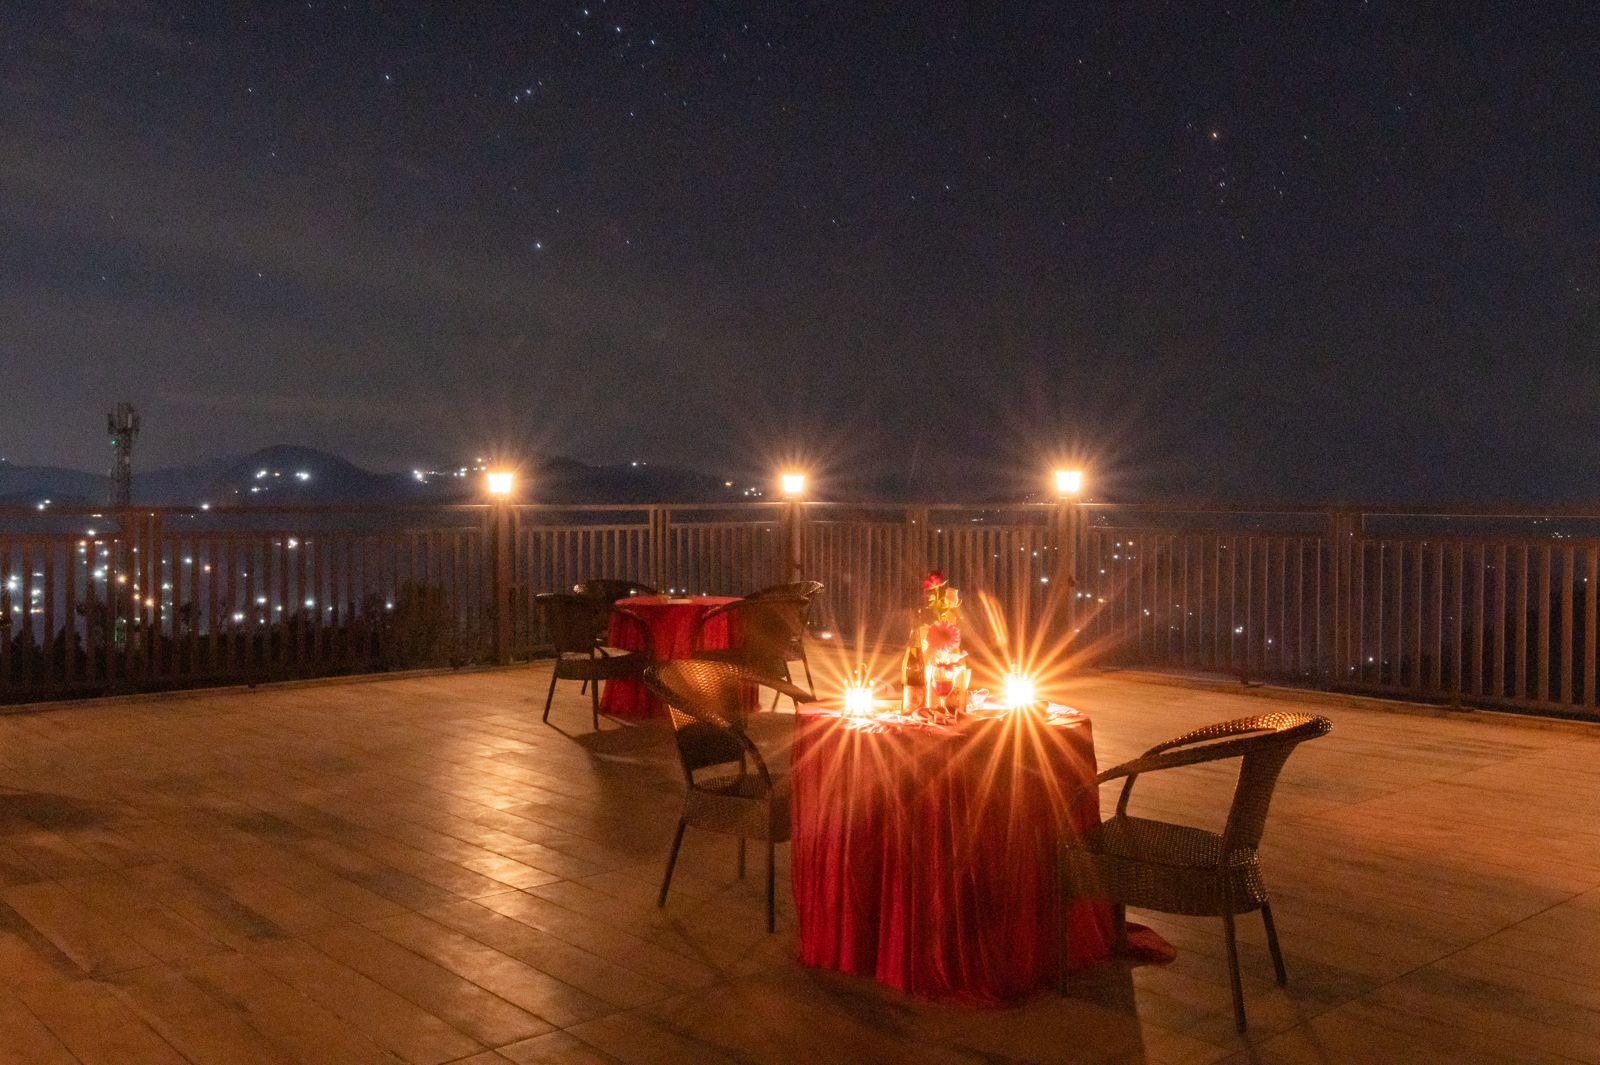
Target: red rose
932	580
942	636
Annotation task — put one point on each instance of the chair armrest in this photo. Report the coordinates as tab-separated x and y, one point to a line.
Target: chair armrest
1164	757
783	687
646	634
697	634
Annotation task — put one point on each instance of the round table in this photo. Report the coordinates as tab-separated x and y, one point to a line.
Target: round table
672	622
924	856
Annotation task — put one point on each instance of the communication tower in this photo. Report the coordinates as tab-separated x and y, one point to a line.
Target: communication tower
122	425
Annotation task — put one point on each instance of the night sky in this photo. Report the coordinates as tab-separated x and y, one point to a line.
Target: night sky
1310	251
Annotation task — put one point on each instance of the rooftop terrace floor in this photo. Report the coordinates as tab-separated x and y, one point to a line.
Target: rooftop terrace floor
417	870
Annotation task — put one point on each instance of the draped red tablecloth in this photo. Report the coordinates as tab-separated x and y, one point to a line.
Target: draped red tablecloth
672	623
925	856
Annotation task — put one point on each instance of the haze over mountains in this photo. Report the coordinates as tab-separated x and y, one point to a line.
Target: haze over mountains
285	474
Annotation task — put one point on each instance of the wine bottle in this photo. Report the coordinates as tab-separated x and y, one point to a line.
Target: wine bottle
913	677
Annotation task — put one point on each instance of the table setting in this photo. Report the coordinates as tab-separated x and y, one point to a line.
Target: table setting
926	824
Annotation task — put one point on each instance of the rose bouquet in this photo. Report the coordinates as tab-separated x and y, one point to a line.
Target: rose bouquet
939	639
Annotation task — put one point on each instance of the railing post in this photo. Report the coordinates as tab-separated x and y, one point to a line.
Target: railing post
660	547
1340	607
500	550
917	554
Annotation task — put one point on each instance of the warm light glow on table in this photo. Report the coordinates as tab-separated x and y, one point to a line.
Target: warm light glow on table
858	701
1018	690
793	484
501	482
1069	482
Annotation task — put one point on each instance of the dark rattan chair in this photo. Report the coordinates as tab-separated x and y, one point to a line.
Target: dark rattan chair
765	631
573	621
1180	869
730	789
609	590
808	590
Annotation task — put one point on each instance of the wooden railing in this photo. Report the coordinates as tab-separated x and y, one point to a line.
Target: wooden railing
1479	607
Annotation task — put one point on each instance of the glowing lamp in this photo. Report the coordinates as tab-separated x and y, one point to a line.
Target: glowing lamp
858	699
1018	690
1069	482
793	484
501	482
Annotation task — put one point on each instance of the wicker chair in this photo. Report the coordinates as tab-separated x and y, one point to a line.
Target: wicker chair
1180	869
807	590
730	789
573	621
767	629
609	590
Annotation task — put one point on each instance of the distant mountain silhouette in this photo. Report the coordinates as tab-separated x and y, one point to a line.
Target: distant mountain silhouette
33	484
288	474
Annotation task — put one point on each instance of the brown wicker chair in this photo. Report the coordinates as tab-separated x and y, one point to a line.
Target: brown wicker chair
609	590
766	630
1180	869
573	621
808	590
730	789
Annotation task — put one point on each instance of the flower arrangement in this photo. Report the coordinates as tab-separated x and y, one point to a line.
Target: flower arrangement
940	640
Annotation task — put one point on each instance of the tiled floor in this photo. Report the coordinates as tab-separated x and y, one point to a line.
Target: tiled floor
417	870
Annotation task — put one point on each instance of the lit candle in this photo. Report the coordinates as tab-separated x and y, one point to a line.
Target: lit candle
1069	482
793	484
858	700
1018	689
500	482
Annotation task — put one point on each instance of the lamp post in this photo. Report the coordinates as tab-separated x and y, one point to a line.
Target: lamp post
793	485
501	485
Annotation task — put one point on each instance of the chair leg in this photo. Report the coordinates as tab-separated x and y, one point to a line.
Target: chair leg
806	662
549	695
1233	966
741	857
594	704
672	860
1272	945
772	887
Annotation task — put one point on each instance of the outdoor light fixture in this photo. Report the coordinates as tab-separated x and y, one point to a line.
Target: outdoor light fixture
793	484
501	482
1018	690
1069	482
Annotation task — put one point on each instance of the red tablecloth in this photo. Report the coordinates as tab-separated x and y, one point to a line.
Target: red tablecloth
925	856
672	623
